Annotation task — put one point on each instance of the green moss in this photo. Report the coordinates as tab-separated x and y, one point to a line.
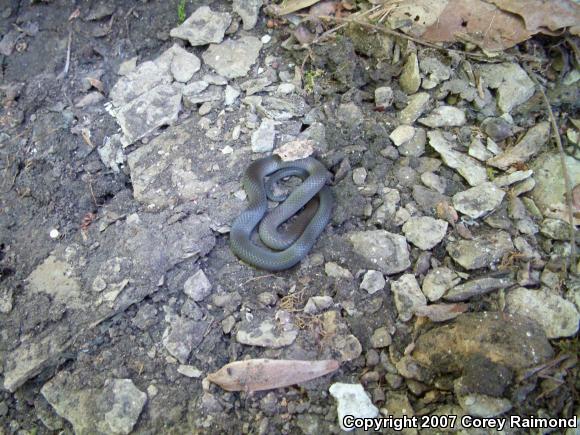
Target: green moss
310	78
181	10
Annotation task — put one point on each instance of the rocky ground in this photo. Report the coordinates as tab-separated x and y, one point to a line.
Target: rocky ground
443	284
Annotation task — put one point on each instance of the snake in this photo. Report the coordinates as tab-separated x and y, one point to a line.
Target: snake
282	249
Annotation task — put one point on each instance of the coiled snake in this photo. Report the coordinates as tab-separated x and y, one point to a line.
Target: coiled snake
283	249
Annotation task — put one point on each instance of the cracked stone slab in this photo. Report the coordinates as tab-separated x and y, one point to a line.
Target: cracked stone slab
113	409
233	58
479	200
110	284
203	27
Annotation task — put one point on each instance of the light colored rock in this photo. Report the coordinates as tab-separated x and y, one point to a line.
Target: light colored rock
388	252
438	281
127	403
317	304
479	200
514	177
513	85
184	65
527	147
263	137
434	181
402	134
373	281
248	10
182	336
295	150
483	251
286	88
6	300
384	97
128	66
90	99
231	94
381	338
359	176
266	334
193	96
479	286
233	58
189	371
480	405
203	27
416	146
408	296
479	151
555	229
410	78
352	400
333	270
197	286
425	232
558	317
444	116
415	108
469	168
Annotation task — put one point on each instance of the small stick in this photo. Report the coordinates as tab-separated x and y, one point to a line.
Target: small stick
67	63
567	180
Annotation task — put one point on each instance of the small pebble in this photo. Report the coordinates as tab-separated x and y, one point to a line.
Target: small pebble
54	233
266	39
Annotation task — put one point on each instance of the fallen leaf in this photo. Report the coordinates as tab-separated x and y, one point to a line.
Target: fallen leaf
538	14
267	374
441	312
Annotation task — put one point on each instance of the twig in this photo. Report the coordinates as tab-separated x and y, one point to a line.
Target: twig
567	180
67	63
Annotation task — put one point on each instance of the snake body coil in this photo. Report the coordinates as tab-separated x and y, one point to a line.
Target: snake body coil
292	246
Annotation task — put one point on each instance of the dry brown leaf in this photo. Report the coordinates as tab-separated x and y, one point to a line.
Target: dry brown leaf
478	22
267	374
551	14
97	84
441	312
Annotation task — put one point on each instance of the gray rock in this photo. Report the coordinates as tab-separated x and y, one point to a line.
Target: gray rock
352	400
513	85
479	286
497	129
184	65
145	317
231	94
444	116
530	145
381	338
402	134
285	89
192	95
350	115
89	99
182	336
215	79
483	251
415	108
479	200
480	405
416	146
195	88
479	151
558	317
248	10
189	371
438	281
555	229
359	175
153	109
333	270
435	71
424	232
254	86
434	181
386	251
6	300
317	304
263	137
469	168
111	153
266	334
384	97
203	27
514	177
233	58
408	296
373	281
197	286
113	409
410	78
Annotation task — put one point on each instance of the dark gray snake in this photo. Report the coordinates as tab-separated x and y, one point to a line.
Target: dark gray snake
282	250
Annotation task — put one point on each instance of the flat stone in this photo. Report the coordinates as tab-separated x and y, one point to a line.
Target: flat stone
410	78
263	137
533	141
387	252
479	151
248	10
444	116
479	286
514	177
480	405
513	85
231	94
557	316
384	96
381	338
408	296
479	200
415	108
203	27
416	146
113	409
359	176
555	229
182	336
333	270
317	304
483	251
184	65
434	181
438	281
513	341
233	58
189	371
197	286
265	334
441	312
192	95
153	109
353	401
469	168
425	232
402	134
373	281
254	86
